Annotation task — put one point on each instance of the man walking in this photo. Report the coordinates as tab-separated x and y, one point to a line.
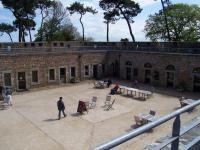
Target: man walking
61	107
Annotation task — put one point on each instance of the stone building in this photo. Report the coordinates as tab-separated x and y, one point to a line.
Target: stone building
30	65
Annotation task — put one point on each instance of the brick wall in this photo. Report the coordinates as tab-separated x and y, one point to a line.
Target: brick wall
42	62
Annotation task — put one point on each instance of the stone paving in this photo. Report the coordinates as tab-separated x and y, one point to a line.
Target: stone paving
31	123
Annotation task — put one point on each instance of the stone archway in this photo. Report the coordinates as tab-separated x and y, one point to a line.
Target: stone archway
128	67
170	75
196	79
147	73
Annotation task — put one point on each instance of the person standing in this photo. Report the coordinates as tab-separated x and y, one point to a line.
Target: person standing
61	107
8	96
109	83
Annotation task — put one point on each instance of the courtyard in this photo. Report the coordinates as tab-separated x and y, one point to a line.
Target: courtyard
31	123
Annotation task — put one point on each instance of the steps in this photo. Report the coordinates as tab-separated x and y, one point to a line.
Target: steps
186	141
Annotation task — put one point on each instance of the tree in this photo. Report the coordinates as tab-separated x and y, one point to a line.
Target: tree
67	33
127	9
79	8
183	22
43	6
8	29
22	10
165	4
109	18
57	26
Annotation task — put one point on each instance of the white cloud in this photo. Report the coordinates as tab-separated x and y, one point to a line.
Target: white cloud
94	26
1	6
145	3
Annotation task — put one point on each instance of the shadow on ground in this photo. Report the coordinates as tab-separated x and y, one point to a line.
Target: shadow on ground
50	120
135	126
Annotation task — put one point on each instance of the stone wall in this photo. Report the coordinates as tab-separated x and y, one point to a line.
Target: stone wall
184	65
120	60
43	62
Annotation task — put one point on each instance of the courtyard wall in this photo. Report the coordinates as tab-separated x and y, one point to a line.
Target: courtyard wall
159	64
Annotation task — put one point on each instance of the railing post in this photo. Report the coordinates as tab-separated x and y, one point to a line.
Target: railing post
176	133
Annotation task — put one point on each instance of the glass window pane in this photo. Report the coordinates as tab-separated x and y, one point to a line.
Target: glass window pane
7	79
35	76
52	74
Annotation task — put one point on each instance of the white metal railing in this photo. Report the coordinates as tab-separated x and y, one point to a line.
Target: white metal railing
175	133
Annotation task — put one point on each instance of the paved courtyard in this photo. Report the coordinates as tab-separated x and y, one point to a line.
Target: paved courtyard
31	123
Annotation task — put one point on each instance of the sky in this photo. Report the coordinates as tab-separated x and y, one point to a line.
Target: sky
94	26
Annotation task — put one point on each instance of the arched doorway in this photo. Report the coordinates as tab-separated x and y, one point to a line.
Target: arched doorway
196	79
147	74
116	74
114	69
128	65
170	75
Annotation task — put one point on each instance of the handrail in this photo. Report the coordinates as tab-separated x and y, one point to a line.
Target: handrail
182	132
119	140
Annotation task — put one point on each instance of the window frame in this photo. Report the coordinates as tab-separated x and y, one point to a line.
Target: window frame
33	83
11	81
49	76
86	75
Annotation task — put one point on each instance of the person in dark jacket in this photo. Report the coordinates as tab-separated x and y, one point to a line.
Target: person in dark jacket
109	83
61	107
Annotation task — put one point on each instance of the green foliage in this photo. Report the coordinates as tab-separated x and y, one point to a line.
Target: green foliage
183	22
24	12
124	9
57	26
110	16
79	8
44	4
8	29
74	80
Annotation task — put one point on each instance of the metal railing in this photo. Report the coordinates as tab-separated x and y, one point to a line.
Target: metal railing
175	131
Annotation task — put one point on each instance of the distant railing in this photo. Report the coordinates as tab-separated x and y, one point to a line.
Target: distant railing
175	131
98	48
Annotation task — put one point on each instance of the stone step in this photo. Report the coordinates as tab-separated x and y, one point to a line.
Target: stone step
184	140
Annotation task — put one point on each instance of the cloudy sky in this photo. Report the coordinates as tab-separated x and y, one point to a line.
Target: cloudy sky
94	26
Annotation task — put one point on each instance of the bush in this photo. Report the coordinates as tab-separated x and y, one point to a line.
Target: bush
74	80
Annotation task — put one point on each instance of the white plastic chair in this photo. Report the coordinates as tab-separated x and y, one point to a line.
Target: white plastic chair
93	103
108	100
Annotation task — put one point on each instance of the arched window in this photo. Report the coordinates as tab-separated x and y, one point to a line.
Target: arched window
128	63
170	68
147	65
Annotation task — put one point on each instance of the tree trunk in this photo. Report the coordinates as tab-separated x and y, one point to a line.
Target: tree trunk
130	30
107	31
10	37
30	35
166	22
42	20
23	36
82	27
129	26
41	26
20	33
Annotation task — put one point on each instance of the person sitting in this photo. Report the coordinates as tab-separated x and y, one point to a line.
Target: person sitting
135	84
114	90
109	83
